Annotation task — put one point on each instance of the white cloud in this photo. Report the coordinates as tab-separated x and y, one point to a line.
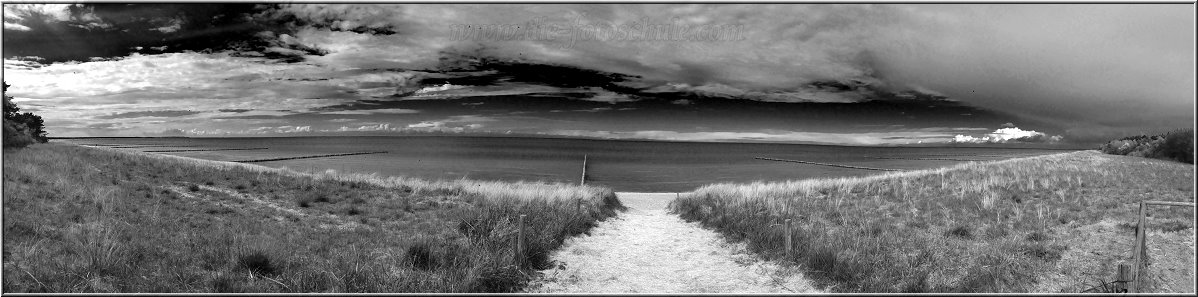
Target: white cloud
175	81
433	89
451	124
1009	133
15	26
56	12
376	127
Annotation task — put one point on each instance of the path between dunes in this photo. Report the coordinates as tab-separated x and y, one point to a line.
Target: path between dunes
647	250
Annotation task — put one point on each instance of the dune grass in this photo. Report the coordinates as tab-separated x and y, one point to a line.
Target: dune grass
82	219
976	227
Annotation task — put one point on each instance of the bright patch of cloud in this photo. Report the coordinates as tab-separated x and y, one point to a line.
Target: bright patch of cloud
451	124
378	127
1008	133
15	26
433	89
54	12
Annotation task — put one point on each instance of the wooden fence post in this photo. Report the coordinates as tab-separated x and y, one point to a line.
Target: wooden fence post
520	241
583	180
1139	249
1123	281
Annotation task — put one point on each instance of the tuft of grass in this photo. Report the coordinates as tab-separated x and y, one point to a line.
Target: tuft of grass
68	229
960	232
421	257
257	262
904	231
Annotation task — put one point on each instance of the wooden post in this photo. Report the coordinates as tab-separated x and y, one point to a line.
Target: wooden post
520	241
1124	279
578	206
786	228
583	180
1139	249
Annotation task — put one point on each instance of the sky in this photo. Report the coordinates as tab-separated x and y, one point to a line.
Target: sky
860	74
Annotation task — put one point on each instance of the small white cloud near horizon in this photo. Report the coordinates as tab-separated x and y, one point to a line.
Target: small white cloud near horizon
1008	133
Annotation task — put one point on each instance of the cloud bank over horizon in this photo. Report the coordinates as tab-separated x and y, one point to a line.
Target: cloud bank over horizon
1061	69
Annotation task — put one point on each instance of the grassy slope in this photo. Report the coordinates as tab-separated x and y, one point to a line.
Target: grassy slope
982	227
99	220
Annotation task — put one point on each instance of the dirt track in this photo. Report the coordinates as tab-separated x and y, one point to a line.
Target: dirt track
647	250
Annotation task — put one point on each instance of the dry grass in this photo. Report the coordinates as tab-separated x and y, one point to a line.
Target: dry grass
101	220
977	227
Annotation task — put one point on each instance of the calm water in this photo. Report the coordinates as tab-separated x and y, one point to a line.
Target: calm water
635	166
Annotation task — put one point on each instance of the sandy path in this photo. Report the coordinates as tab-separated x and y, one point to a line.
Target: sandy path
647	250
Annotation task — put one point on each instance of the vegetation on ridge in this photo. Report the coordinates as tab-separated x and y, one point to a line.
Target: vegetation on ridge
1177	145
978	227
82	219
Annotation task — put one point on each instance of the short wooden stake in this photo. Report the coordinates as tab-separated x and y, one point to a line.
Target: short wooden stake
786	228
583	180
1124	279
520	241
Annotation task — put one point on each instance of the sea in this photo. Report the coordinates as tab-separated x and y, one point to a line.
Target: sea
623	165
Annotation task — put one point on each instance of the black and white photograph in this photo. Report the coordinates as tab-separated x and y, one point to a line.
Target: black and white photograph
681	147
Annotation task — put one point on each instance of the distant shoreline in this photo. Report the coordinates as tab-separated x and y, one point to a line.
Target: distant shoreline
1075	147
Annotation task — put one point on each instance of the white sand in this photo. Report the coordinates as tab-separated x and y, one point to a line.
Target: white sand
647	250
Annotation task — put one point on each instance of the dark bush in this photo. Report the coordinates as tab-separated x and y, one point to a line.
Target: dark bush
961	232
194	188
16	135
1179	145
420	255
258	262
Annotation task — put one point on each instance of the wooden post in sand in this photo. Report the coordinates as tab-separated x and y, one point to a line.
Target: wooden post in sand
520	241
786	228
1124	279
1134	288
583	180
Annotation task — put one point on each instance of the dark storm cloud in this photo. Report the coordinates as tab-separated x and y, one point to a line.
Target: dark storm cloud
81	32
1050	68
1068	65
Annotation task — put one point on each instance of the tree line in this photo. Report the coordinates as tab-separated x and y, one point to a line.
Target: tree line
20	128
